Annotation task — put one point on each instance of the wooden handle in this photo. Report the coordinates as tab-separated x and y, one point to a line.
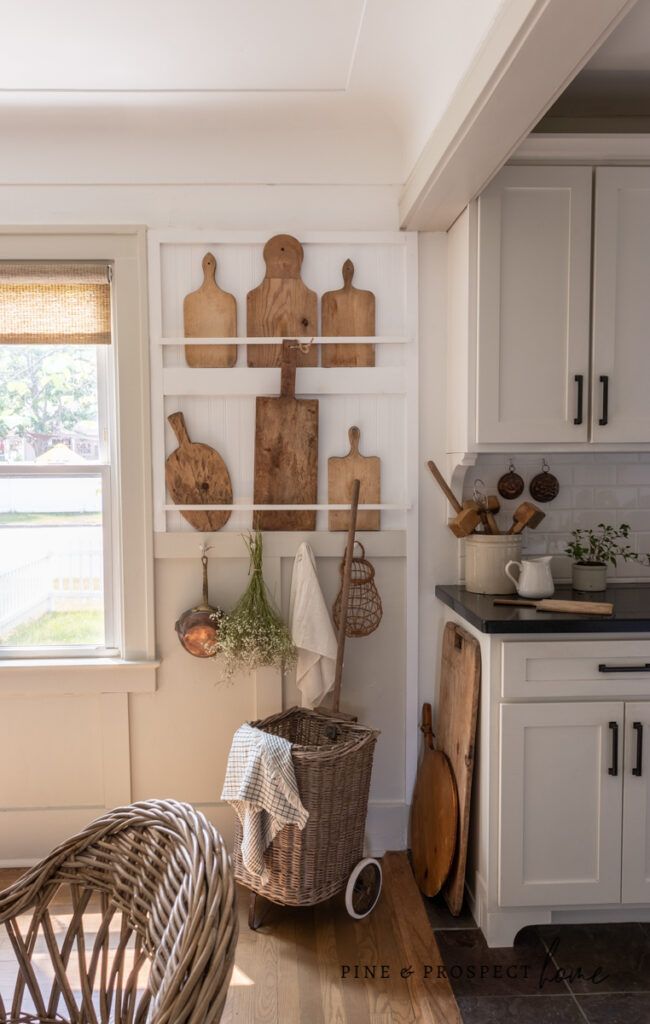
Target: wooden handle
576	607
444	486
348	273
177	422
345	594
288	368
514	602
209	265
427	727
354	435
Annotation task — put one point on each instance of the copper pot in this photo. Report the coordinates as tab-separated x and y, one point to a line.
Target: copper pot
198	628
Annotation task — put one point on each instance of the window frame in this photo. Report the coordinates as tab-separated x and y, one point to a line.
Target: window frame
127	506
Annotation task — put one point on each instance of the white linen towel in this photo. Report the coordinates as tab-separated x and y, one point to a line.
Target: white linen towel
311	630
261	787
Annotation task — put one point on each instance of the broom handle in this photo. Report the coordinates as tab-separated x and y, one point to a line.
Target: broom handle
345	594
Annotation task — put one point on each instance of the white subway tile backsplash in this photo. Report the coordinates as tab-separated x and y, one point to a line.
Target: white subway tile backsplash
594	487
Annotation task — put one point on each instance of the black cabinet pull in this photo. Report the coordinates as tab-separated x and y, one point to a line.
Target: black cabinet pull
614	768
638	726
580	381
602	422
625	668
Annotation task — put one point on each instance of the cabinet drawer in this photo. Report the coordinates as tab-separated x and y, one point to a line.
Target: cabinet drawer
575	668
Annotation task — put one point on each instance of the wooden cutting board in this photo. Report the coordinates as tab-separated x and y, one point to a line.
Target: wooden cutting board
457	710
434	815
209	312
197	475
348	312
286	452
282	306
341	471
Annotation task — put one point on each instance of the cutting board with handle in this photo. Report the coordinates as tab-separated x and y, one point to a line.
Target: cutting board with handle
457	711
341	471
209	312
286	452
282	305
434	815
197	475
348	312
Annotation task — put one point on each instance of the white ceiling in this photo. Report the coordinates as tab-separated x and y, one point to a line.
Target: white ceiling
225	45
628	47
301	91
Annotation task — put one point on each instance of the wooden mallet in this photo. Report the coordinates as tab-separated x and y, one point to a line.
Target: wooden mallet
526	516
466	519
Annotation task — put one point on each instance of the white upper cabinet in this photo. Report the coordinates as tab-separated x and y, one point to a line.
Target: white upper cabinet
621	310
533	305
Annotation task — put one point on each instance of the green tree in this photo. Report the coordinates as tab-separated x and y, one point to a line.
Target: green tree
46	388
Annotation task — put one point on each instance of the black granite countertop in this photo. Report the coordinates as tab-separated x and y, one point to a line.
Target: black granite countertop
631	611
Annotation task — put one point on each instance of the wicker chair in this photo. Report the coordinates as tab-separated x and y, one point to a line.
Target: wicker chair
154	883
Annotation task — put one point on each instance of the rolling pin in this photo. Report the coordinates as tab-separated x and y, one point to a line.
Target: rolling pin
561	607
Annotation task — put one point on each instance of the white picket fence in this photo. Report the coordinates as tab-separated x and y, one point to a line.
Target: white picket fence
69	581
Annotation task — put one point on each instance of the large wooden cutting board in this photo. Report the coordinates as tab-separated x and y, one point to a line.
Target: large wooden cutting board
286	453
348	312
457	711
282	306
209	312
197	475
341	471
434	815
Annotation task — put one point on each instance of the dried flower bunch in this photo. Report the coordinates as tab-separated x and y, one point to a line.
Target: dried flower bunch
253	635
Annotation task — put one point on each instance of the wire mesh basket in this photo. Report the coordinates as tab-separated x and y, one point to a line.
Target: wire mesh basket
364	603
332	759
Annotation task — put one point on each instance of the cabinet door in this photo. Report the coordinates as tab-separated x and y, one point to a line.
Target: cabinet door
533	305
636	814
561	808
621	327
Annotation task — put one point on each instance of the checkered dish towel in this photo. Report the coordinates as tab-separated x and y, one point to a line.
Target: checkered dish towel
261	786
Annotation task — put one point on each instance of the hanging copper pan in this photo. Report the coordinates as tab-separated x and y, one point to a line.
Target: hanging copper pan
198	628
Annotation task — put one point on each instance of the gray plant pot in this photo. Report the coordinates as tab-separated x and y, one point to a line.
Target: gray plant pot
588	577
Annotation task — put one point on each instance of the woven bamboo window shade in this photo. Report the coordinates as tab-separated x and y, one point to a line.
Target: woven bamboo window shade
55	304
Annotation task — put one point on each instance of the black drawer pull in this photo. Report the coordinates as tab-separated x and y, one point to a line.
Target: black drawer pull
580	381
602	422
625	668
614	768
638	727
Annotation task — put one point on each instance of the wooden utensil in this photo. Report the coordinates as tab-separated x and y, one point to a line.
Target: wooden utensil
466	519
341	471
209	312
457	711
434	815
348	312
197	475
525	516
564	607
286	452
282	305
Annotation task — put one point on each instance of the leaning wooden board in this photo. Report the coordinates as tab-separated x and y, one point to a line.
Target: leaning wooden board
455	732
286	453
434	815
209	312
348	312
282	306
197	475
341	471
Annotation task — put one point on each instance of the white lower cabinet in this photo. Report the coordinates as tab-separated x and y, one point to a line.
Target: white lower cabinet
561	804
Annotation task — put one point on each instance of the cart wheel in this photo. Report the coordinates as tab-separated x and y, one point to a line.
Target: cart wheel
363	888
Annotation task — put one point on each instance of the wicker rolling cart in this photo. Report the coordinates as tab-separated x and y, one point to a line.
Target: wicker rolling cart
332	758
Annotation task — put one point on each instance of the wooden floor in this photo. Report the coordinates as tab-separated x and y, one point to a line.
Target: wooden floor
291	970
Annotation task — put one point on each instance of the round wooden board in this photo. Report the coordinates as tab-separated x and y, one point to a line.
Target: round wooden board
434	822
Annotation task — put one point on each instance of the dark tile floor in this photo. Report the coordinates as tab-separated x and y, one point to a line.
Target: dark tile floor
554	974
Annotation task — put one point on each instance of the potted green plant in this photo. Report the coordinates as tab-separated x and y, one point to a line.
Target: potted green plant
593	550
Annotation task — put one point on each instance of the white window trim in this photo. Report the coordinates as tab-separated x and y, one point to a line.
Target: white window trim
131	505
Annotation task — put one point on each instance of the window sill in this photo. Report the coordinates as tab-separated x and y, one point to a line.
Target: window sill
80	676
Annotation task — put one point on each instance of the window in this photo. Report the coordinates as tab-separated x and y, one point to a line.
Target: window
58	579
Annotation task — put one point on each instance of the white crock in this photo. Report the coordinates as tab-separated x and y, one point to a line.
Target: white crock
588	577
486	557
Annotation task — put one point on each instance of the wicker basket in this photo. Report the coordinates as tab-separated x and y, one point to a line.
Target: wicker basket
332	759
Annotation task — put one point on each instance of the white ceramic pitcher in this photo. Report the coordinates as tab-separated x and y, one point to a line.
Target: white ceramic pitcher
534	578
